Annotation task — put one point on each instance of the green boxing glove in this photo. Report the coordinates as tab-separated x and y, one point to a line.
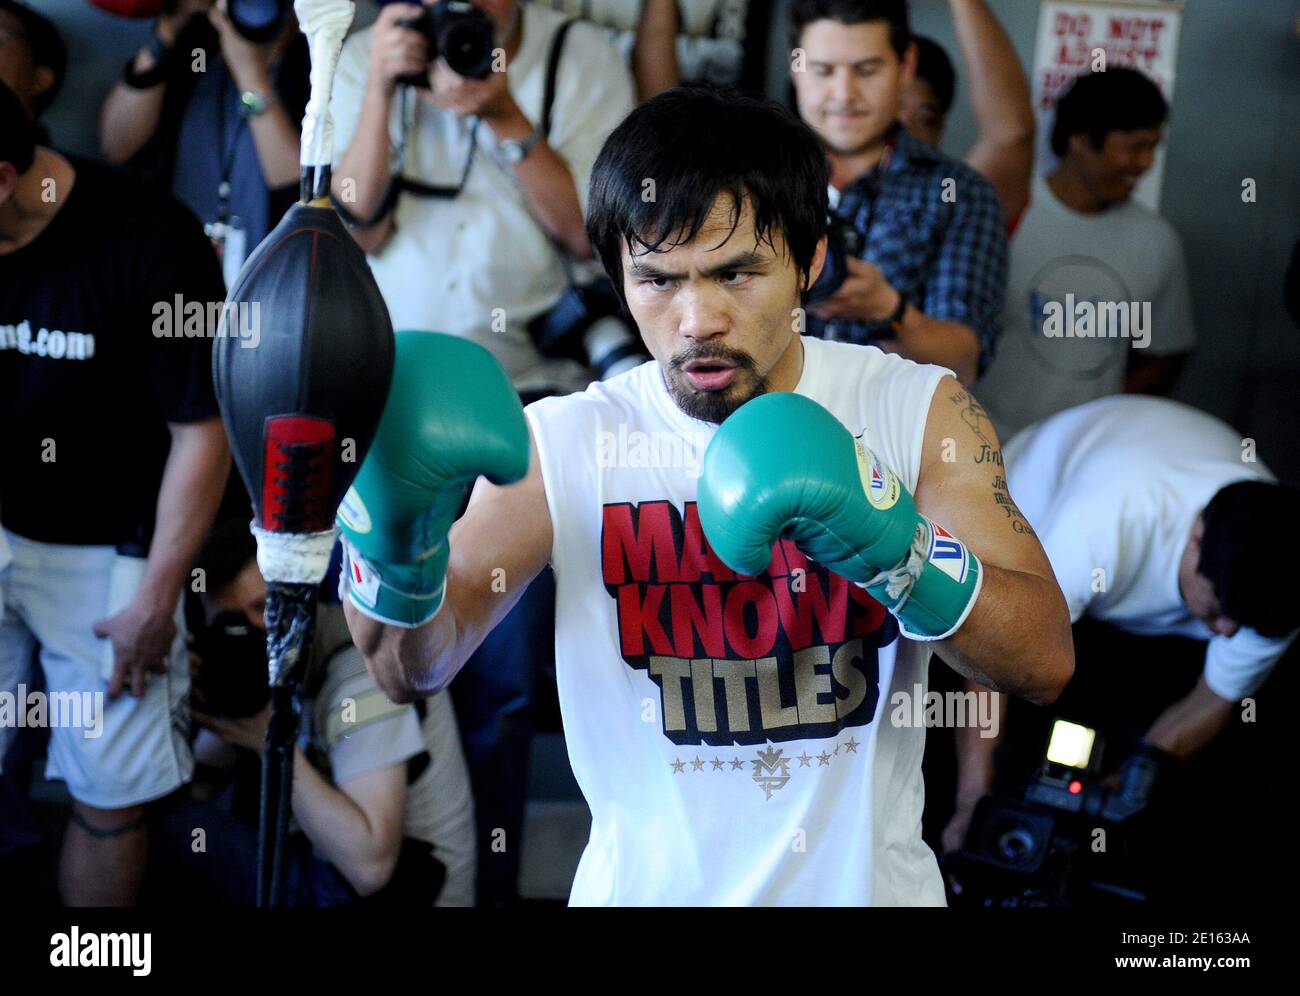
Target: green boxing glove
782	465
451	415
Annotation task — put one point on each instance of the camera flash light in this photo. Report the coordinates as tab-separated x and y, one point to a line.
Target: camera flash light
1071	744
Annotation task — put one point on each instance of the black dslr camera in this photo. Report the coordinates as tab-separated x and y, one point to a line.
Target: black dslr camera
842	241
1041	850
232	679
458	32
587	324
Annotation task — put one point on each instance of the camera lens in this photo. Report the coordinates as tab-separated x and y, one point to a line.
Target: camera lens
257	20
1016	845
466	45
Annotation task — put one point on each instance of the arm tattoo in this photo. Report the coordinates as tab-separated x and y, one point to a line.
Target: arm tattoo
1002	496
978	421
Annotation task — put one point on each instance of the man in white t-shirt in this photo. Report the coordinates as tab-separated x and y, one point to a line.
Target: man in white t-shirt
483	258
1097	296
730	623
1157	521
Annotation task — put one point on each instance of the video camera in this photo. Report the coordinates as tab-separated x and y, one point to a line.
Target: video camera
1041	850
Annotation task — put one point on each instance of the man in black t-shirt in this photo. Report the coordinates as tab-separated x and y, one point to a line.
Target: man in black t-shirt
112	463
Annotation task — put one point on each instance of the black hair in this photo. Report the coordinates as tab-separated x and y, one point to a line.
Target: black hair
45	45
660	171
229	548
934	66
1118	99
17	132
854	12
1240	554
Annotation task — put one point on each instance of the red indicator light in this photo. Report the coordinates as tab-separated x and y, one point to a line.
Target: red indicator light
1076	787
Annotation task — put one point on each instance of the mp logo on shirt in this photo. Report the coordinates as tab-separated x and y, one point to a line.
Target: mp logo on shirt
792	654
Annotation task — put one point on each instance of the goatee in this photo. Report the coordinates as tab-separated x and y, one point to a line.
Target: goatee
713	406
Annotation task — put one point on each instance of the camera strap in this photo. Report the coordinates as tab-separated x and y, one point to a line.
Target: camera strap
552	74
544	128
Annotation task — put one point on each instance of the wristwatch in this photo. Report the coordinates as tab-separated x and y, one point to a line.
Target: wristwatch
511	151
252	103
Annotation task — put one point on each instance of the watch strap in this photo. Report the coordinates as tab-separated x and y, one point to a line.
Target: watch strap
161	53
252	103
512	151
899	311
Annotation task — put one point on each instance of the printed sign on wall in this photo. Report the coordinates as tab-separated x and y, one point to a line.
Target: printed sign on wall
1070	34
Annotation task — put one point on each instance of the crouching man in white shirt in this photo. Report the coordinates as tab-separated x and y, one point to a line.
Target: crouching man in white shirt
1157	522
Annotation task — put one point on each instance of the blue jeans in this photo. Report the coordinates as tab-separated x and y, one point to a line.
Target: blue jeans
224	873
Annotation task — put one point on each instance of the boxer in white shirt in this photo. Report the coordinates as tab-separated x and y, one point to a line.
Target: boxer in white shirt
731	623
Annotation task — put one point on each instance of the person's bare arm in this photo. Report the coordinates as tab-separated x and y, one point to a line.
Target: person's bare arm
1017	637
975	770
506	529
545	179
867	295
364	170
654	53
194	479
129	117
1191	722
275	137
937	340
356	826
1004	116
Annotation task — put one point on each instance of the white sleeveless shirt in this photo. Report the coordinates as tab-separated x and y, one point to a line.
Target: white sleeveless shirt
731	734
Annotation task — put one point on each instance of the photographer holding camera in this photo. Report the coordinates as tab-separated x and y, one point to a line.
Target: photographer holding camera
471	210
211	106
918	257
468	224
380	791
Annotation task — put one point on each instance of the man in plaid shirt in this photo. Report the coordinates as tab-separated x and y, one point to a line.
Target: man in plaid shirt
931	274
